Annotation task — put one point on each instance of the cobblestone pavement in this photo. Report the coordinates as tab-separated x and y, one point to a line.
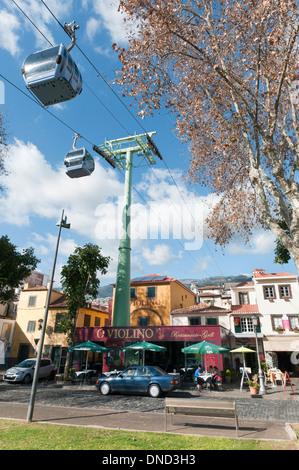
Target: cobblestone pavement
275	406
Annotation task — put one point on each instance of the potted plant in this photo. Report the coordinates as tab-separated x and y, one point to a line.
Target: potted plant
279	329
228	375
254	385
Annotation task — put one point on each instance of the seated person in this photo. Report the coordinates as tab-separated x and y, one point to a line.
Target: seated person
216	377
199	371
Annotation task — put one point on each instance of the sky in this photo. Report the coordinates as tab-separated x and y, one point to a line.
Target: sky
168	215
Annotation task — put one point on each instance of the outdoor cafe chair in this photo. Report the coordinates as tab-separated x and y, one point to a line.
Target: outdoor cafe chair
278	377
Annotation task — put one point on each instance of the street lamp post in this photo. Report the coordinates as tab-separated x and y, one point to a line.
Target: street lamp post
262	390
62	223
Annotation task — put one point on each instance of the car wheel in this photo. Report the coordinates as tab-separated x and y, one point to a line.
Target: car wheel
105	388
27	379
154	391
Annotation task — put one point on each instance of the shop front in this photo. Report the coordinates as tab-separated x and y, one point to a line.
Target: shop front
173	338
283	353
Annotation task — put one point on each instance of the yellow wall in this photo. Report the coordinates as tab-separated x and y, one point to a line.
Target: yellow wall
28	314
169	296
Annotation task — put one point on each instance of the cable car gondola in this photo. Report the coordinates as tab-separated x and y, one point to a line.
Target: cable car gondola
79	163
52	75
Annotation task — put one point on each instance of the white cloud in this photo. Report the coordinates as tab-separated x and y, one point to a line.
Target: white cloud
92	28
260	243
35	188
160	256
204	263
94	205
112	19
9	32
13	22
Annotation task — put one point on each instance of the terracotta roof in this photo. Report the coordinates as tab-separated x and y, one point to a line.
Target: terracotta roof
39	288
191	308
209	287
62	301
209	294
244	284
202	307
244	309
260	273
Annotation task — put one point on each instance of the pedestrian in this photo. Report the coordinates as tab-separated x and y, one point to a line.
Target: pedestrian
199	371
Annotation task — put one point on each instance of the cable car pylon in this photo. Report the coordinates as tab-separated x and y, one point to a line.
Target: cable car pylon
120	153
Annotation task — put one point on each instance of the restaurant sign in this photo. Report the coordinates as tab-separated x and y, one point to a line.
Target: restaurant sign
117	336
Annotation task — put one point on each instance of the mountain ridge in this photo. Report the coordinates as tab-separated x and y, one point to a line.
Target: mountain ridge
107	291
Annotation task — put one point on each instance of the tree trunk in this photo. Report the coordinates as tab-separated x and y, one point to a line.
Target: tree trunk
67	365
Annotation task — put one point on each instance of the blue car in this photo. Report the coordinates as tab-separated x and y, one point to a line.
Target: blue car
141	379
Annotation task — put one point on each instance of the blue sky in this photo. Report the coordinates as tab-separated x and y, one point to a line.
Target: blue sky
165	239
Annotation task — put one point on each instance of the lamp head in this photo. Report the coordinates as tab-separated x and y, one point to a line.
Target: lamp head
63	223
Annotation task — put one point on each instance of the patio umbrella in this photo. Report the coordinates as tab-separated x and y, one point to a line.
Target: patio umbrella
204	347
88	346
145	346
243	350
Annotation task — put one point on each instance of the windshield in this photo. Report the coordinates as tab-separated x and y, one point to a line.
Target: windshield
73	161
41	62
26	364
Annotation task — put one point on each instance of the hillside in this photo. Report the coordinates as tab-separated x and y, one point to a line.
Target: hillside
216	280
107	291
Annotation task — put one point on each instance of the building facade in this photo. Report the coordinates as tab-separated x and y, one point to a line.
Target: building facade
153	298
29	321
274	298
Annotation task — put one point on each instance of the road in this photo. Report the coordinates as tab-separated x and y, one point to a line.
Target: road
273	407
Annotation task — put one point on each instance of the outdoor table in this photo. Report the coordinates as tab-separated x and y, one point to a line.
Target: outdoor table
206	377
85	372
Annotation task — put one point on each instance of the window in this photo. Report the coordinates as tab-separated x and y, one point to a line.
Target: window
87	319
211	321
31	326
277	323
97	321
59	317
32	301
151	292
269	292
143	321
294	322
285	292
243	298
246	325
194	321
133	293
6	330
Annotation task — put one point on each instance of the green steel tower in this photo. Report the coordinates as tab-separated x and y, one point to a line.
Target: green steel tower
120	153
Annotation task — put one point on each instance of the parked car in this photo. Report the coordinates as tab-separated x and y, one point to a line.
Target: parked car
24	371
140	379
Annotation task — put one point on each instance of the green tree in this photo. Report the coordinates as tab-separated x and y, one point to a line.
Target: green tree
282	253
14	267
228	71
80	284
